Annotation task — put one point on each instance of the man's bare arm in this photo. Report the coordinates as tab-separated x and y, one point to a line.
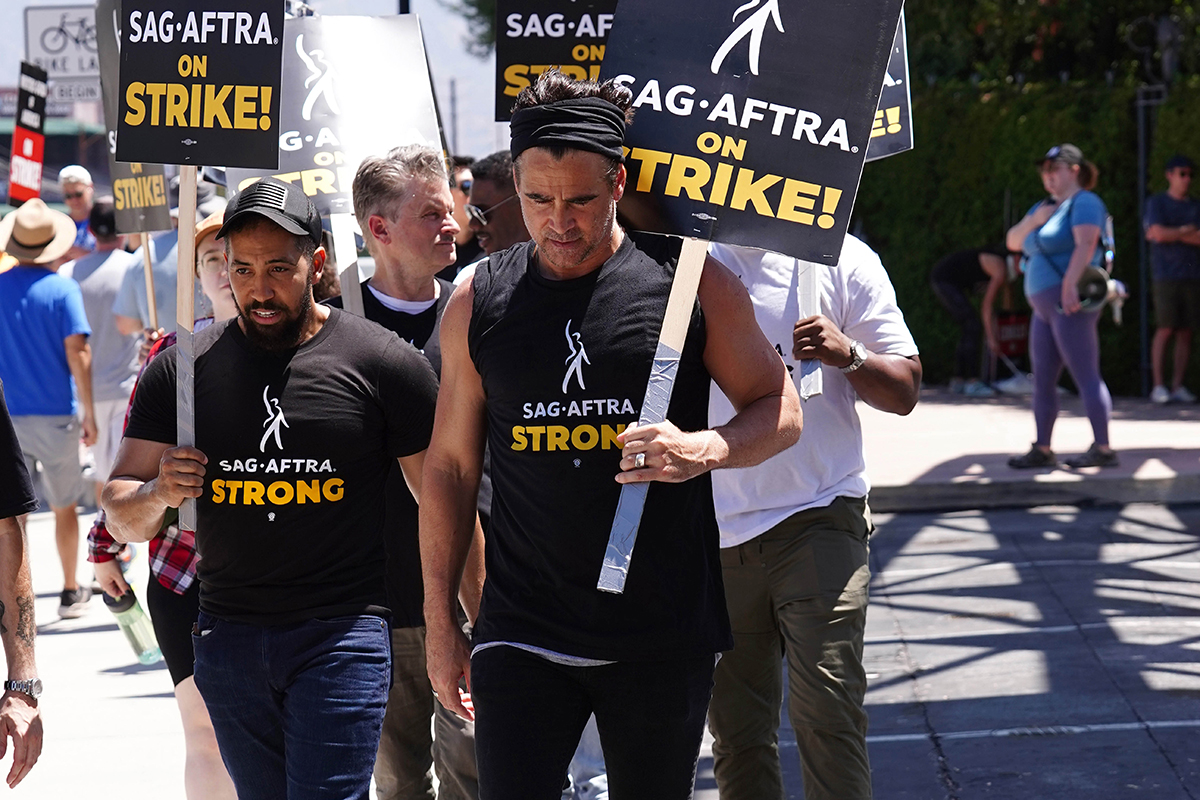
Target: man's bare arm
750	373
470	591
147	479
888	382
449	487
19	715
127	325
79	361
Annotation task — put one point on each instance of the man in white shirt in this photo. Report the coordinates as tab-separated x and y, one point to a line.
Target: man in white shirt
794	532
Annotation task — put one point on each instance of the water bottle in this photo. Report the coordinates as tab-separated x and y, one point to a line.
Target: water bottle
136	626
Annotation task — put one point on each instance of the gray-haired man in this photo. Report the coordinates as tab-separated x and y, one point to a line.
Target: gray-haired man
405	208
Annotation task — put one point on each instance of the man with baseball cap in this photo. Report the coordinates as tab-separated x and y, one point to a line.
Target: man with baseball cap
46	367
114	354
78	192
299	410
1172	224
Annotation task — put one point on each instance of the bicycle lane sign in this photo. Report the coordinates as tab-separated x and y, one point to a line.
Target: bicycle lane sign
62	41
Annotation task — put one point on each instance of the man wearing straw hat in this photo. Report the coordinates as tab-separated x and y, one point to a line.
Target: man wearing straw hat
46	367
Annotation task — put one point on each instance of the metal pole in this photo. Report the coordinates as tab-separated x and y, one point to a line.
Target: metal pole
454	115
1143	305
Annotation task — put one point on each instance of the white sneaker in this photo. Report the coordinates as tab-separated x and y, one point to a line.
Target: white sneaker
1160	395
1182	395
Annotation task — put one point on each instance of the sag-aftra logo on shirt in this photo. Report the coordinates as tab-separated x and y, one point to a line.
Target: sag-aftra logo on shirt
280	492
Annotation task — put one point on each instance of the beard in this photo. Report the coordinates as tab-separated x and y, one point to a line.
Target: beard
283	335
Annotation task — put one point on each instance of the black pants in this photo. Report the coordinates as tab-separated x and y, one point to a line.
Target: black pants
530	712
966	355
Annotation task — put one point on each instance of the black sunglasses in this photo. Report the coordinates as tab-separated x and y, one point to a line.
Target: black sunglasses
479	215
72	195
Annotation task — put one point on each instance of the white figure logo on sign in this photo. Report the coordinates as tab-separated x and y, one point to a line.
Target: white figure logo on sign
753	26
320	82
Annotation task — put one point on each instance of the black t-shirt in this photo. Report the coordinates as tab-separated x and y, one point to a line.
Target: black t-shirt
16	490
299	444
406	592
565	366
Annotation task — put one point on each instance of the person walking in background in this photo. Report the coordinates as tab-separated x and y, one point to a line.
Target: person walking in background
114	354
467	249
954	279
78	193
1172	225
46	363
1059	237
173	593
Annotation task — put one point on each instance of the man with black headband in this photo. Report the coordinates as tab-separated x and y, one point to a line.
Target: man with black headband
299	410
546	355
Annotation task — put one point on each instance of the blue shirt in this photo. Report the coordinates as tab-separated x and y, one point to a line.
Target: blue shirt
131	297
1048	249
83	236
1173	261
38	310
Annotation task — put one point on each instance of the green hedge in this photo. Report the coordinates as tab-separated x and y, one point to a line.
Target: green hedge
975	144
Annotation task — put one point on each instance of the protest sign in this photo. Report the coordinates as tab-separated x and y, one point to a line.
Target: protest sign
201	86
28	142
753	120
333	114
534	35
139	190
752	124
891	132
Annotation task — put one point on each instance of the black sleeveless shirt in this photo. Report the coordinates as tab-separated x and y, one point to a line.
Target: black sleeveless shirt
564	366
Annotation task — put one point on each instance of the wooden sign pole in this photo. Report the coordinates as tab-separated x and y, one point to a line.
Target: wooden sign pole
148	264
345	252
809	295
632	501
185	419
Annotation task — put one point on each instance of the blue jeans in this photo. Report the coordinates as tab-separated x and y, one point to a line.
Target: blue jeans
297	709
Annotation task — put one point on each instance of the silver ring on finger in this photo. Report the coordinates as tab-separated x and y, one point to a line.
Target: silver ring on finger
639	461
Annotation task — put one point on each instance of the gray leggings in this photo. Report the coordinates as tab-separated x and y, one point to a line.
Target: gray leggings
1057	340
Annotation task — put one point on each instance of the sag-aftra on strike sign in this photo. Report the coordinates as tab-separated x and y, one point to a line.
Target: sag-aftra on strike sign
752	118
200	86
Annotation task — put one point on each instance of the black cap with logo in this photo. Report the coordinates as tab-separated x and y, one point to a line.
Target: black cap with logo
281	202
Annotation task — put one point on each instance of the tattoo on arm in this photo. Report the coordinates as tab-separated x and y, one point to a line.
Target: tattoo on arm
3	629
26	627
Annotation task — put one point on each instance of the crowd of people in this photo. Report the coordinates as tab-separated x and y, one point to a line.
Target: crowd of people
402	517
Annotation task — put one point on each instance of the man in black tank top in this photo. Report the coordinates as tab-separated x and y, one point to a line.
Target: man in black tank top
546	357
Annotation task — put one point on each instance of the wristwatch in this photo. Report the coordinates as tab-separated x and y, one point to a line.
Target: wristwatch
860	353
31	687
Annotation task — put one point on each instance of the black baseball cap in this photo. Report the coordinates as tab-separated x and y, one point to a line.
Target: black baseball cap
279	201
1063	153
102	219
1179	160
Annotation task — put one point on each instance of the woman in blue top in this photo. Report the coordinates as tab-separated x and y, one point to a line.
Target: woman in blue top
1059	237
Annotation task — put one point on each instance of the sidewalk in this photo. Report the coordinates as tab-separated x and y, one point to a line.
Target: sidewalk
951	453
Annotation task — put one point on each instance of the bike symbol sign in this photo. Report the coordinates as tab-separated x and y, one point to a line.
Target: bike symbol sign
62	41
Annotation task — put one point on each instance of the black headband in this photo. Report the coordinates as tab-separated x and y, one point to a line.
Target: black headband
586	123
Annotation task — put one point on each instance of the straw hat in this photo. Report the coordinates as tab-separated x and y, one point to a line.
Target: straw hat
36	233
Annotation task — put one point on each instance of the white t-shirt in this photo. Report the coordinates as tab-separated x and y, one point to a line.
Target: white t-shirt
827	462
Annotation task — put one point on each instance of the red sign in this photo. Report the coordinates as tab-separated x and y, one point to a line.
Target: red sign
25	169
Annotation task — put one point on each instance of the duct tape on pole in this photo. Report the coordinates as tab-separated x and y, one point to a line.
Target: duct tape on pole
623	535
185	416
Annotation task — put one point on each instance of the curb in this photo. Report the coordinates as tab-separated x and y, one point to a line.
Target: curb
1092	491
